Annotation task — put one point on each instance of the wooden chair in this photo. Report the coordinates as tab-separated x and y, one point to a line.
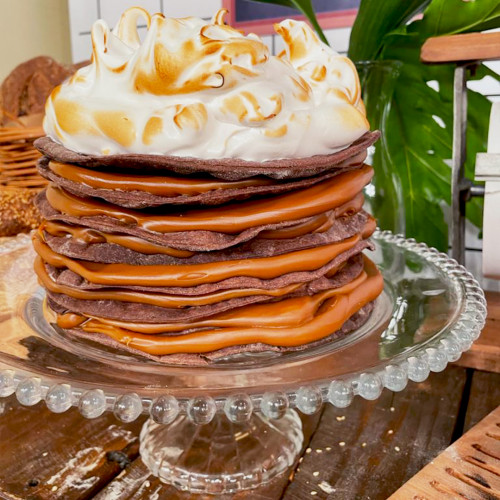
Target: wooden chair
467	51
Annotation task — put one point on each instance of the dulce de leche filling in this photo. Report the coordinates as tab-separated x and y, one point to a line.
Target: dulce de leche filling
282	323
151	298
231	218
315	224
153	184
93	236
197	274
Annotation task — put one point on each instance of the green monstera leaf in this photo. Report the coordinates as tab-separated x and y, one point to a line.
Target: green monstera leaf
303	6
375	20
419	129
418	137
459	16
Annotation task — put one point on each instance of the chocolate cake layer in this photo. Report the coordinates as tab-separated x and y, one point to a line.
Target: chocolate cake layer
76	248
207	230
141	312
229	169
141	198
70	278
289	322
188	359
189	270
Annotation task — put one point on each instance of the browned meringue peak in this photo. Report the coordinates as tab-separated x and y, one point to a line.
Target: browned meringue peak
203	89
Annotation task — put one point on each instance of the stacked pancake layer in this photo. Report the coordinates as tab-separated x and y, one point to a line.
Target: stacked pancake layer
188	268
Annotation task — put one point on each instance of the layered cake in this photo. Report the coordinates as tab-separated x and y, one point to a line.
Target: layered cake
205	196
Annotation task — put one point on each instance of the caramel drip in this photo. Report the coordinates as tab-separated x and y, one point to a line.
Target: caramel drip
327	224
93	236
196	274
233	218
70	320
330	317
153	184
318	224
369	229
155	299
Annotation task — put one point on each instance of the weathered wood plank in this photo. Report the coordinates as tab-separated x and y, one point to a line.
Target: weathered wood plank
137	483
463	47
370	449
49	456
484	397
469	468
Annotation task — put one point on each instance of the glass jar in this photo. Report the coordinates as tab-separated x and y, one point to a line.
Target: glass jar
383	197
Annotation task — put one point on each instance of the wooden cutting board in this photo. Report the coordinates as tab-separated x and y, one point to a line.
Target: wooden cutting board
468	469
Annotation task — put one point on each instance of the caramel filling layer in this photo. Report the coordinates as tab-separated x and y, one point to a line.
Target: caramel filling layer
196	274
91	236
231	218
155	299
153	184
329	313
291	312
318	224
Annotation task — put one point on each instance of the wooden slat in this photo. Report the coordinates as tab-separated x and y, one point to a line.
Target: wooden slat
48	456
461	48
137	483
484	397
468	469
485	352
371	448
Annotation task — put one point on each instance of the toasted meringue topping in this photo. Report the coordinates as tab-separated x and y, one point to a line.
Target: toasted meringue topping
205	90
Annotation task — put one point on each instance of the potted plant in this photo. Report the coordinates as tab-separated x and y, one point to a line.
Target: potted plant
417	126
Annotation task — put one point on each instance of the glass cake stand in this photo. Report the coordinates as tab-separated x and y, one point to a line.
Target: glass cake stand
233	425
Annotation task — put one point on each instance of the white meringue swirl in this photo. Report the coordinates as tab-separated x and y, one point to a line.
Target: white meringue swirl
203	89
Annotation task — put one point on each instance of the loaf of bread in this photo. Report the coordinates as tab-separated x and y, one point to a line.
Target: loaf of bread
27	87
22	101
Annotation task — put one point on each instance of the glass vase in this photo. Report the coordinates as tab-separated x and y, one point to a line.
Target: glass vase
383	197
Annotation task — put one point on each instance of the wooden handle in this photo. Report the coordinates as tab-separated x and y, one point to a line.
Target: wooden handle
461	48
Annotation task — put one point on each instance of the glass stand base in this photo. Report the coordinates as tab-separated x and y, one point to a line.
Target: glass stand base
221	457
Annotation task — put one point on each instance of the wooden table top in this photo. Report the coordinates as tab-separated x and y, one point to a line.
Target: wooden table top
366	451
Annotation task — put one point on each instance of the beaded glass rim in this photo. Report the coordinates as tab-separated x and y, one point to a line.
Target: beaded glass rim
416	365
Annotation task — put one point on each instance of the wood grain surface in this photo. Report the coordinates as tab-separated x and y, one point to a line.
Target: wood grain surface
48	456
364	451
483	399
461	48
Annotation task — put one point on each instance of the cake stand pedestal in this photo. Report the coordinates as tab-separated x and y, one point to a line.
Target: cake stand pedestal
221	456
233	425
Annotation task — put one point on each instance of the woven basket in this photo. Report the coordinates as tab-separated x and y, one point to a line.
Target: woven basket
18	156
